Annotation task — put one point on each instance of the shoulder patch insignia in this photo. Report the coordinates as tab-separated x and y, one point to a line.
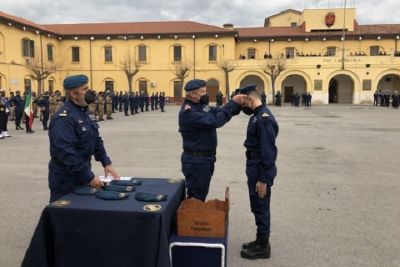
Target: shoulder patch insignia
206	108
187	107
92	117
63	114
265	116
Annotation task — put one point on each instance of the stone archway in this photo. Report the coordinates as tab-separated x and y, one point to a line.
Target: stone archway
389	82
293	83
253	79
341	89
212	89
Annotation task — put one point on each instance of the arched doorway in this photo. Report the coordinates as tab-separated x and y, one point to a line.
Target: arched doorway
293	84
341	89
253	79
389	82
212	89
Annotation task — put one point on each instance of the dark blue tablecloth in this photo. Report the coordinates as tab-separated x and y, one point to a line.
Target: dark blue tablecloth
198	251
96	232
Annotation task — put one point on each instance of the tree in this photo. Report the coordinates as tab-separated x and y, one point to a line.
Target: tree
131	66
273	67
227	67
182	71
40	71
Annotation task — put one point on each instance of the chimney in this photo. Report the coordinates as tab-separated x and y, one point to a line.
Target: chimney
228	26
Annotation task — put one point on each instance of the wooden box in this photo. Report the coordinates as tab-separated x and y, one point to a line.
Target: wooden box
203	219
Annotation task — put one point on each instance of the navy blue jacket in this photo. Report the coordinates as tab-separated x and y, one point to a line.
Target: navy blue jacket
198	124
74	139
44	103
262	131
18	102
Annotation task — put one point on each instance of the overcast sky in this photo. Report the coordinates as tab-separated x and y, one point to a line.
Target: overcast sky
242	13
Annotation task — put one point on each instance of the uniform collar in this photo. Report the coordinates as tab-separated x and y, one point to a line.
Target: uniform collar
258	109
82	109
188	101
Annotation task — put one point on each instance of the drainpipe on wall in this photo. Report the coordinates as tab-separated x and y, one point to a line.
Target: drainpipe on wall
41	64
91	69
194	57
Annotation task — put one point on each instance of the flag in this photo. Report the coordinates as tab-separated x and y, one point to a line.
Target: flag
28	107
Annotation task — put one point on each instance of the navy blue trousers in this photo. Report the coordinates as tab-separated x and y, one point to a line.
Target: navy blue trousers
259	206
198	172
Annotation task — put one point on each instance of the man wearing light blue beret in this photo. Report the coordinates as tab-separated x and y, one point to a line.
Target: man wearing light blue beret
74	139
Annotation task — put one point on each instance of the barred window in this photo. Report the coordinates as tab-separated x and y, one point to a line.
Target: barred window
142	53
50	52
177	53
28	48
75	54
212	53
108	54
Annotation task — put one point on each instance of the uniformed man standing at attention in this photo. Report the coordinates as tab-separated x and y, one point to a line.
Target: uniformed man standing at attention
261	153
109	106
100	106
197	124
74	139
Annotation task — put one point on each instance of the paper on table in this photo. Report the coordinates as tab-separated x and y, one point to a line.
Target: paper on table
107	179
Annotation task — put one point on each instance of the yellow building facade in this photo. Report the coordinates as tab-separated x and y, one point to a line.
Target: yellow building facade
323	51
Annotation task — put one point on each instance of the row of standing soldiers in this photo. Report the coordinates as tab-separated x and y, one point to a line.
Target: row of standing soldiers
383	98
134	102
108	103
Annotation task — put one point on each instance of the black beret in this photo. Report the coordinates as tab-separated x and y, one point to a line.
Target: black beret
247	89
194	84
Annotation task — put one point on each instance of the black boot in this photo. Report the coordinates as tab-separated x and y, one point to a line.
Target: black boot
249	245
259	249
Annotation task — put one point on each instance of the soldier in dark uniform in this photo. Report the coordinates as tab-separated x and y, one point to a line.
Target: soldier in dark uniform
261	154
136	103
263	98
74	139
152	101
387	98
19	105
296	99
4	113
376	98
132	103
156	101
395	99
304	99
218	98
125	100
309	98
120	101
197	124
162	101
278	98
141	102
44	104
147	101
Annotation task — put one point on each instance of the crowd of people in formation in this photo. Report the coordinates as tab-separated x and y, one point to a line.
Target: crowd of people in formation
12	108
383	98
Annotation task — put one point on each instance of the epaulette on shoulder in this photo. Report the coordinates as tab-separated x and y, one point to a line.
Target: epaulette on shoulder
187	108
63	113
265	116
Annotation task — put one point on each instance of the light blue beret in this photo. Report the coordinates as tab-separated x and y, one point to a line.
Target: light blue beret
75	81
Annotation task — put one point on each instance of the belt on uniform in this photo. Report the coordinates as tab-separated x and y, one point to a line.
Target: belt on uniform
200	153
253	155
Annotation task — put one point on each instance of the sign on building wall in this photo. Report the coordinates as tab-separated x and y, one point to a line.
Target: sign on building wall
317	85
366	85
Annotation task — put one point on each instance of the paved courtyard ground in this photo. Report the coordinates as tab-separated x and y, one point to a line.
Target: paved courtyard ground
335	202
